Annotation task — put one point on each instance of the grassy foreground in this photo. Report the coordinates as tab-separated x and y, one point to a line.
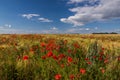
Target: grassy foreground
60	57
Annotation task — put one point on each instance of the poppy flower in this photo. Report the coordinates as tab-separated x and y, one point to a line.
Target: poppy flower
25	57
106	61
71	77
43	57
69	59
55	57
89	62
100	58
82	70
94	57
103	70
60	56
58	77
49	54
103	48
86	59
43	44
62	65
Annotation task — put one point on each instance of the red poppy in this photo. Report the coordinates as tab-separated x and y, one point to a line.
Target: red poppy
86	59
82	70
25	57
60	56
101	53
94	56
106	61
58	77
103	70
49	54
103	48
89	62
62	65
31	50
100	58
55	57
71	77
69	59
43	57
69	51
43	44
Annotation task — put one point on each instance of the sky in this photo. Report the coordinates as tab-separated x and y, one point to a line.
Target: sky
59	16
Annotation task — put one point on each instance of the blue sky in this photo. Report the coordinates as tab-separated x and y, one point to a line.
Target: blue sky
59	16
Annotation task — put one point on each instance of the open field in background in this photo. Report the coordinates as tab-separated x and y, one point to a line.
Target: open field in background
60	57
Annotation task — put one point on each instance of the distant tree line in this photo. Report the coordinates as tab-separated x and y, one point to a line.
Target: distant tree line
105	33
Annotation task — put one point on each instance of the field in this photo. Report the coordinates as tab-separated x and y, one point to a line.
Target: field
60	57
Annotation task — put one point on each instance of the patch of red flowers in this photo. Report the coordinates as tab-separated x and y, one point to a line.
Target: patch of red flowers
82	71
25	57
58	77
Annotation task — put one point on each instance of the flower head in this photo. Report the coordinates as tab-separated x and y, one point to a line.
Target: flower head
43	44
71	77
82	70
25	57
69	59
103	70
49	54
43	57
58	77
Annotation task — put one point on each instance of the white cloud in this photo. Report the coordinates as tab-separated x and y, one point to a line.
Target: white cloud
87	29
54	28
105	10
5	26
8	25
80	1
75	1
44	20
29	16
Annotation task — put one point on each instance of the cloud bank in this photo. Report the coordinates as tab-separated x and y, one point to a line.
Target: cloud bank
100	11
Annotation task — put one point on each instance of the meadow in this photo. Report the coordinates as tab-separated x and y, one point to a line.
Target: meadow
60	57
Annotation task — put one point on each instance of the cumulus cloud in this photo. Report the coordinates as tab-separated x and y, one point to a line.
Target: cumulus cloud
29	16
44	20
105	10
